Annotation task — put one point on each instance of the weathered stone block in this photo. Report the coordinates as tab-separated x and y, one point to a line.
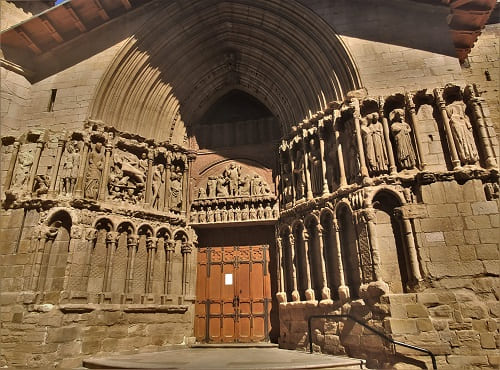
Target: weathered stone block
440	324
487	252
477	222
424	324
441	311
484	208
416	310
61	335
488	341
489	236
492	267
402	326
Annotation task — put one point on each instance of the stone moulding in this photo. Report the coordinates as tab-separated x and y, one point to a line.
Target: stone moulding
131	308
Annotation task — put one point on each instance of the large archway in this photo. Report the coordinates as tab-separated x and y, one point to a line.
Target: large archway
190	54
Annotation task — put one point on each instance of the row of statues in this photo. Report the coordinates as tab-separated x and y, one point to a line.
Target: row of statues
98	165
368	139
228	213
232	183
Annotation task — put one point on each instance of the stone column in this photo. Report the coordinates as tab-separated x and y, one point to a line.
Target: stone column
294	185
325	290
475	103
12	165
361	150
310	296
340	155
309	194
151	246
149	179
407	231
80	181
38	242
91	238
185	182
388	144
103	191
34	168
186	250
48	236
295	291
449	135
416	130
169	251
111	244
343	288
132	241
323	161
281	295
55	170
369	217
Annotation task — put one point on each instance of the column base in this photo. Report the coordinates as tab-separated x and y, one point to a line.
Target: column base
281	297
295	296
310	296
325	293
344	293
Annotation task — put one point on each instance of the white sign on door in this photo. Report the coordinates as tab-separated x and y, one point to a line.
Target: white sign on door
228	278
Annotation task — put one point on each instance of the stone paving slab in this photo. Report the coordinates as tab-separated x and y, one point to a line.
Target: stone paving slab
224	358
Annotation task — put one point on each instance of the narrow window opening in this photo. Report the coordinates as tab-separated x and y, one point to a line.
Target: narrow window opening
50	107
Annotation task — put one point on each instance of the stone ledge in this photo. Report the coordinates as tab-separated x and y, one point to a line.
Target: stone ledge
132	308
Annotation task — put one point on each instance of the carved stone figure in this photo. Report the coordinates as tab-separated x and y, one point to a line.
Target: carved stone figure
158	186
202	192
224	214
350	151
232	175
315	162
245	213
245	185
24	162
210	215
94	171
255	185
202	216
176	188
69	168
193	216
41	185
230	213
218	215
237	214
462	132
253	213
299	175
287	183
373	139
400	131
128	176
268	212
260	212
212	186
221	187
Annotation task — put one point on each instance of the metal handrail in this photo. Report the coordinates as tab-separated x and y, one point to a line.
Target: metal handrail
381	335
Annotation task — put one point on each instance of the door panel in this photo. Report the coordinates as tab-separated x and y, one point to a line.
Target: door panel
233	294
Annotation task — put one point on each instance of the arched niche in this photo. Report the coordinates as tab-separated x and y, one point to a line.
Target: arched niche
349	250
98	256
301	259
394	266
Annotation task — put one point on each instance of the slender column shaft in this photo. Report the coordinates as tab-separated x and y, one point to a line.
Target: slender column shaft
132	241
185	182
338	255
306	168
416	131
359	140
50	234
166	206
369	218
55	170
111	242
279	258
484	138
294	266
39	241
412	250
151	244
149	180
168	278
12	165
91	237
186	250
325	291
105	173
323	162
449	135
309	291
294	184
34	168
340	157
81	170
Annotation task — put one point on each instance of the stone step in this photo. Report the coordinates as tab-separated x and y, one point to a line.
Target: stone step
211	358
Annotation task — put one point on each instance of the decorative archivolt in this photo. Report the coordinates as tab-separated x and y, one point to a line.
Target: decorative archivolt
187	54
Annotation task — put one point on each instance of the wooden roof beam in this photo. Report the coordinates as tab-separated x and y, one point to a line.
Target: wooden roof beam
101	11
29	41
126	4
75	17
53	32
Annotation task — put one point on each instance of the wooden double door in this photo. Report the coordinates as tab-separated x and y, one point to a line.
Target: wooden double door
233	294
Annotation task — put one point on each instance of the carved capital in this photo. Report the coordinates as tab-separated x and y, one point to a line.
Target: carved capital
76	232
335	225
368	214
151	242
186	248
132	240
50	232
112	237
91	234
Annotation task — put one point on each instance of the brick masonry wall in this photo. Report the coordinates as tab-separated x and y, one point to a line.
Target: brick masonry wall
456	311
483	58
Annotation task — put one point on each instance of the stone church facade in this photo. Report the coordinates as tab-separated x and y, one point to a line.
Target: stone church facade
220	171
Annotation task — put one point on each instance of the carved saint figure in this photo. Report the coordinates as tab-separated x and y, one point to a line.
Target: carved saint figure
350	151
260	212
158	186
299	174
212	186
232	174
193	216
24	163
245	213
316	171
373	139
287	183
268	212
202	216
221	189
202	192
253	213
69	170
255	185
94	170
224	214
245	185
210	215
401	130
41	185
462	132
176	188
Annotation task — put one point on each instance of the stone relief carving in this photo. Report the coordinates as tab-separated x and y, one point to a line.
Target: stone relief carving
158	186
316	166
127	179
462	132
94	171
299	174
372	133
401	132
70	164
25	160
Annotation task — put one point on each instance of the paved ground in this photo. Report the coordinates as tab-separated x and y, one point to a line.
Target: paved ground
224	358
